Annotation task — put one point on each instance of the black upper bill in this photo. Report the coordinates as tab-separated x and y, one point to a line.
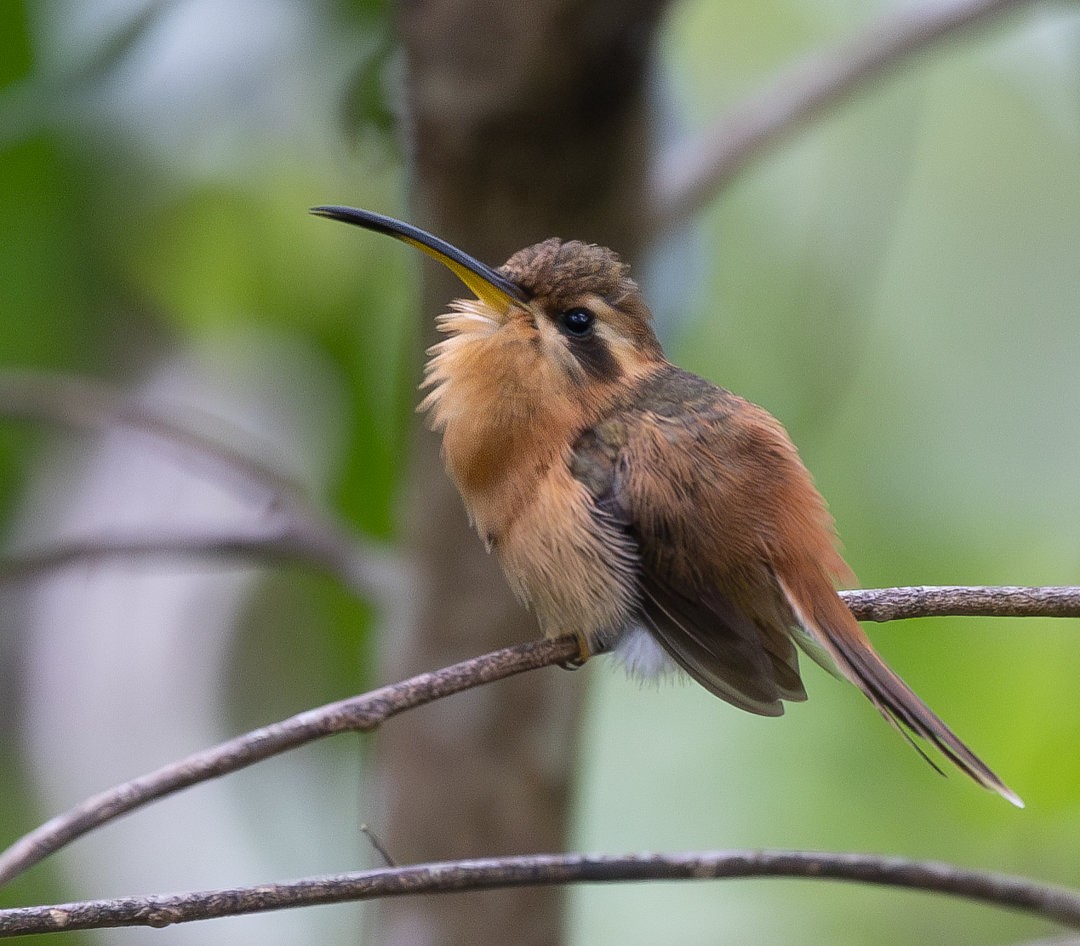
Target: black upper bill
490	286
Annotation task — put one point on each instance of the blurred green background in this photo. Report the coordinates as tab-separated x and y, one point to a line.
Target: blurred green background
900	285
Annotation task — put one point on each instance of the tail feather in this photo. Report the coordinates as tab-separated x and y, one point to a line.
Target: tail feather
833	626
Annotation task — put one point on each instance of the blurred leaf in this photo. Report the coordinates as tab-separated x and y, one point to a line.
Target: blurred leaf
366	100
14	42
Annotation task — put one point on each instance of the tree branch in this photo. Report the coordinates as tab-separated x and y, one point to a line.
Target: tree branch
1045	901
364	713
689	175
926	601
291	527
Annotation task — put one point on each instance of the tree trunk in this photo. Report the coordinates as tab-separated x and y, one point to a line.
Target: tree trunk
523	121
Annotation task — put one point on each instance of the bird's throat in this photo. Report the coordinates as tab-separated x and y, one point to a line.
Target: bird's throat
501	431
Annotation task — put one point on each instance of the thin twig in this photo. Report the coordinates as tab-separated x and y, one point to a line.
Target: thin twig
295	534
265	540
691	174
290	527
1042	900
376	842
362	713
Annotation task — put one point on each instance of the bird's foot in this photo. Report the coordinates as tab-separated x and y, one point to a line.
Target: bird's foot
583	654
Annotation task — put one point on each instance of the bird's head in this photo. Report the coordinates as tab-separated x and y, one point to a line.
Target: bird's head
558	317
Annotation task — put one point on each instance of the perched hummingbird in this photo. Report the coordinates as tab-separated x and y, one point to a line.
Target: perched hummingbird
635	505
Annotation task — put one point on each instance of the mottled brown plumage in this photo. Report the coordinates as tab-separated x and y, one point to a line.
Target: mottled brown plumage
622	494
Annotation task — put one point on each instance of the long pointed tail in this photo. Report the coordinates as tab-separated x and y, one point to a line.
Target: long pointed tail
830	622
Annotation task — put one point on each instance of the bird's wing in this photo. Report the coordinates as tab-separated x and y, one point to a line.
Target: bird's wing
738	557
658	479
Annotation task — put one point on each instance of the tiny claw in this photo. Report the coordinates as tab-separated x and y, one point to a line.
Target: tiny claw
583	654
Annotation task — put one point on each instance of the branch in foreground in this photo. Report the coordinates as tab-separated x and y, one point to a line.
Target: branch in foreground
925	601
362	713
1046	901
688	177
366	712
291	528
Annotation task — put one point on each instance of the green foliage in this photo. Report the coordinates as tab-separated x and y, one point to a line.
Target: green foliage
898	284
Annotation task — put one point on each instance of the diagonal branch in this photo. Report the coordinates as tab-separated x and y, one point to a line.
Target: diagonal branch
1046	901
689	175
362	713
290	528
366	712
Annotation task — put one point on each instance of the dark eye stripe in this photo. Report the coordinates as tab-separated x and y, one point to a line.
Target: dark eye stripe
578	324
594	355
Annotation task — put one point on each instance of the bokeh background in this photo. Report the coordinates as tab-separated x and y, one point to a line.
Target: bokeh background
900	284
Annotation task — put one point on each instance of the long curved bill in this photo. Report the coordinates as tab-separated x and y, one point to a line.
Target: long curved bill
489	286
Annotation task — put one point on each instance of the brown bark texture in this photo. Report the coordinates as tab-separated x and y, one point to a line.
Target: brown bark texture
521	121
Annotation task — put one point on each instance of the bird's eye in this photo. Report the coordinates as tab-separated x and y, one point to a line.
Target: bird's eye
578	321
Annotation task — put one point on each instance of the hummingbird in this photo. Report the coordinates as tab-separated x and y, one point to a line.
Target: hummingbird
637	506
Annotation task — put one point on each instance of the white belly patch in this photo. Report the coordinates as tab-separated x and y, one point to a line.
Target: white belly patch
641	656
